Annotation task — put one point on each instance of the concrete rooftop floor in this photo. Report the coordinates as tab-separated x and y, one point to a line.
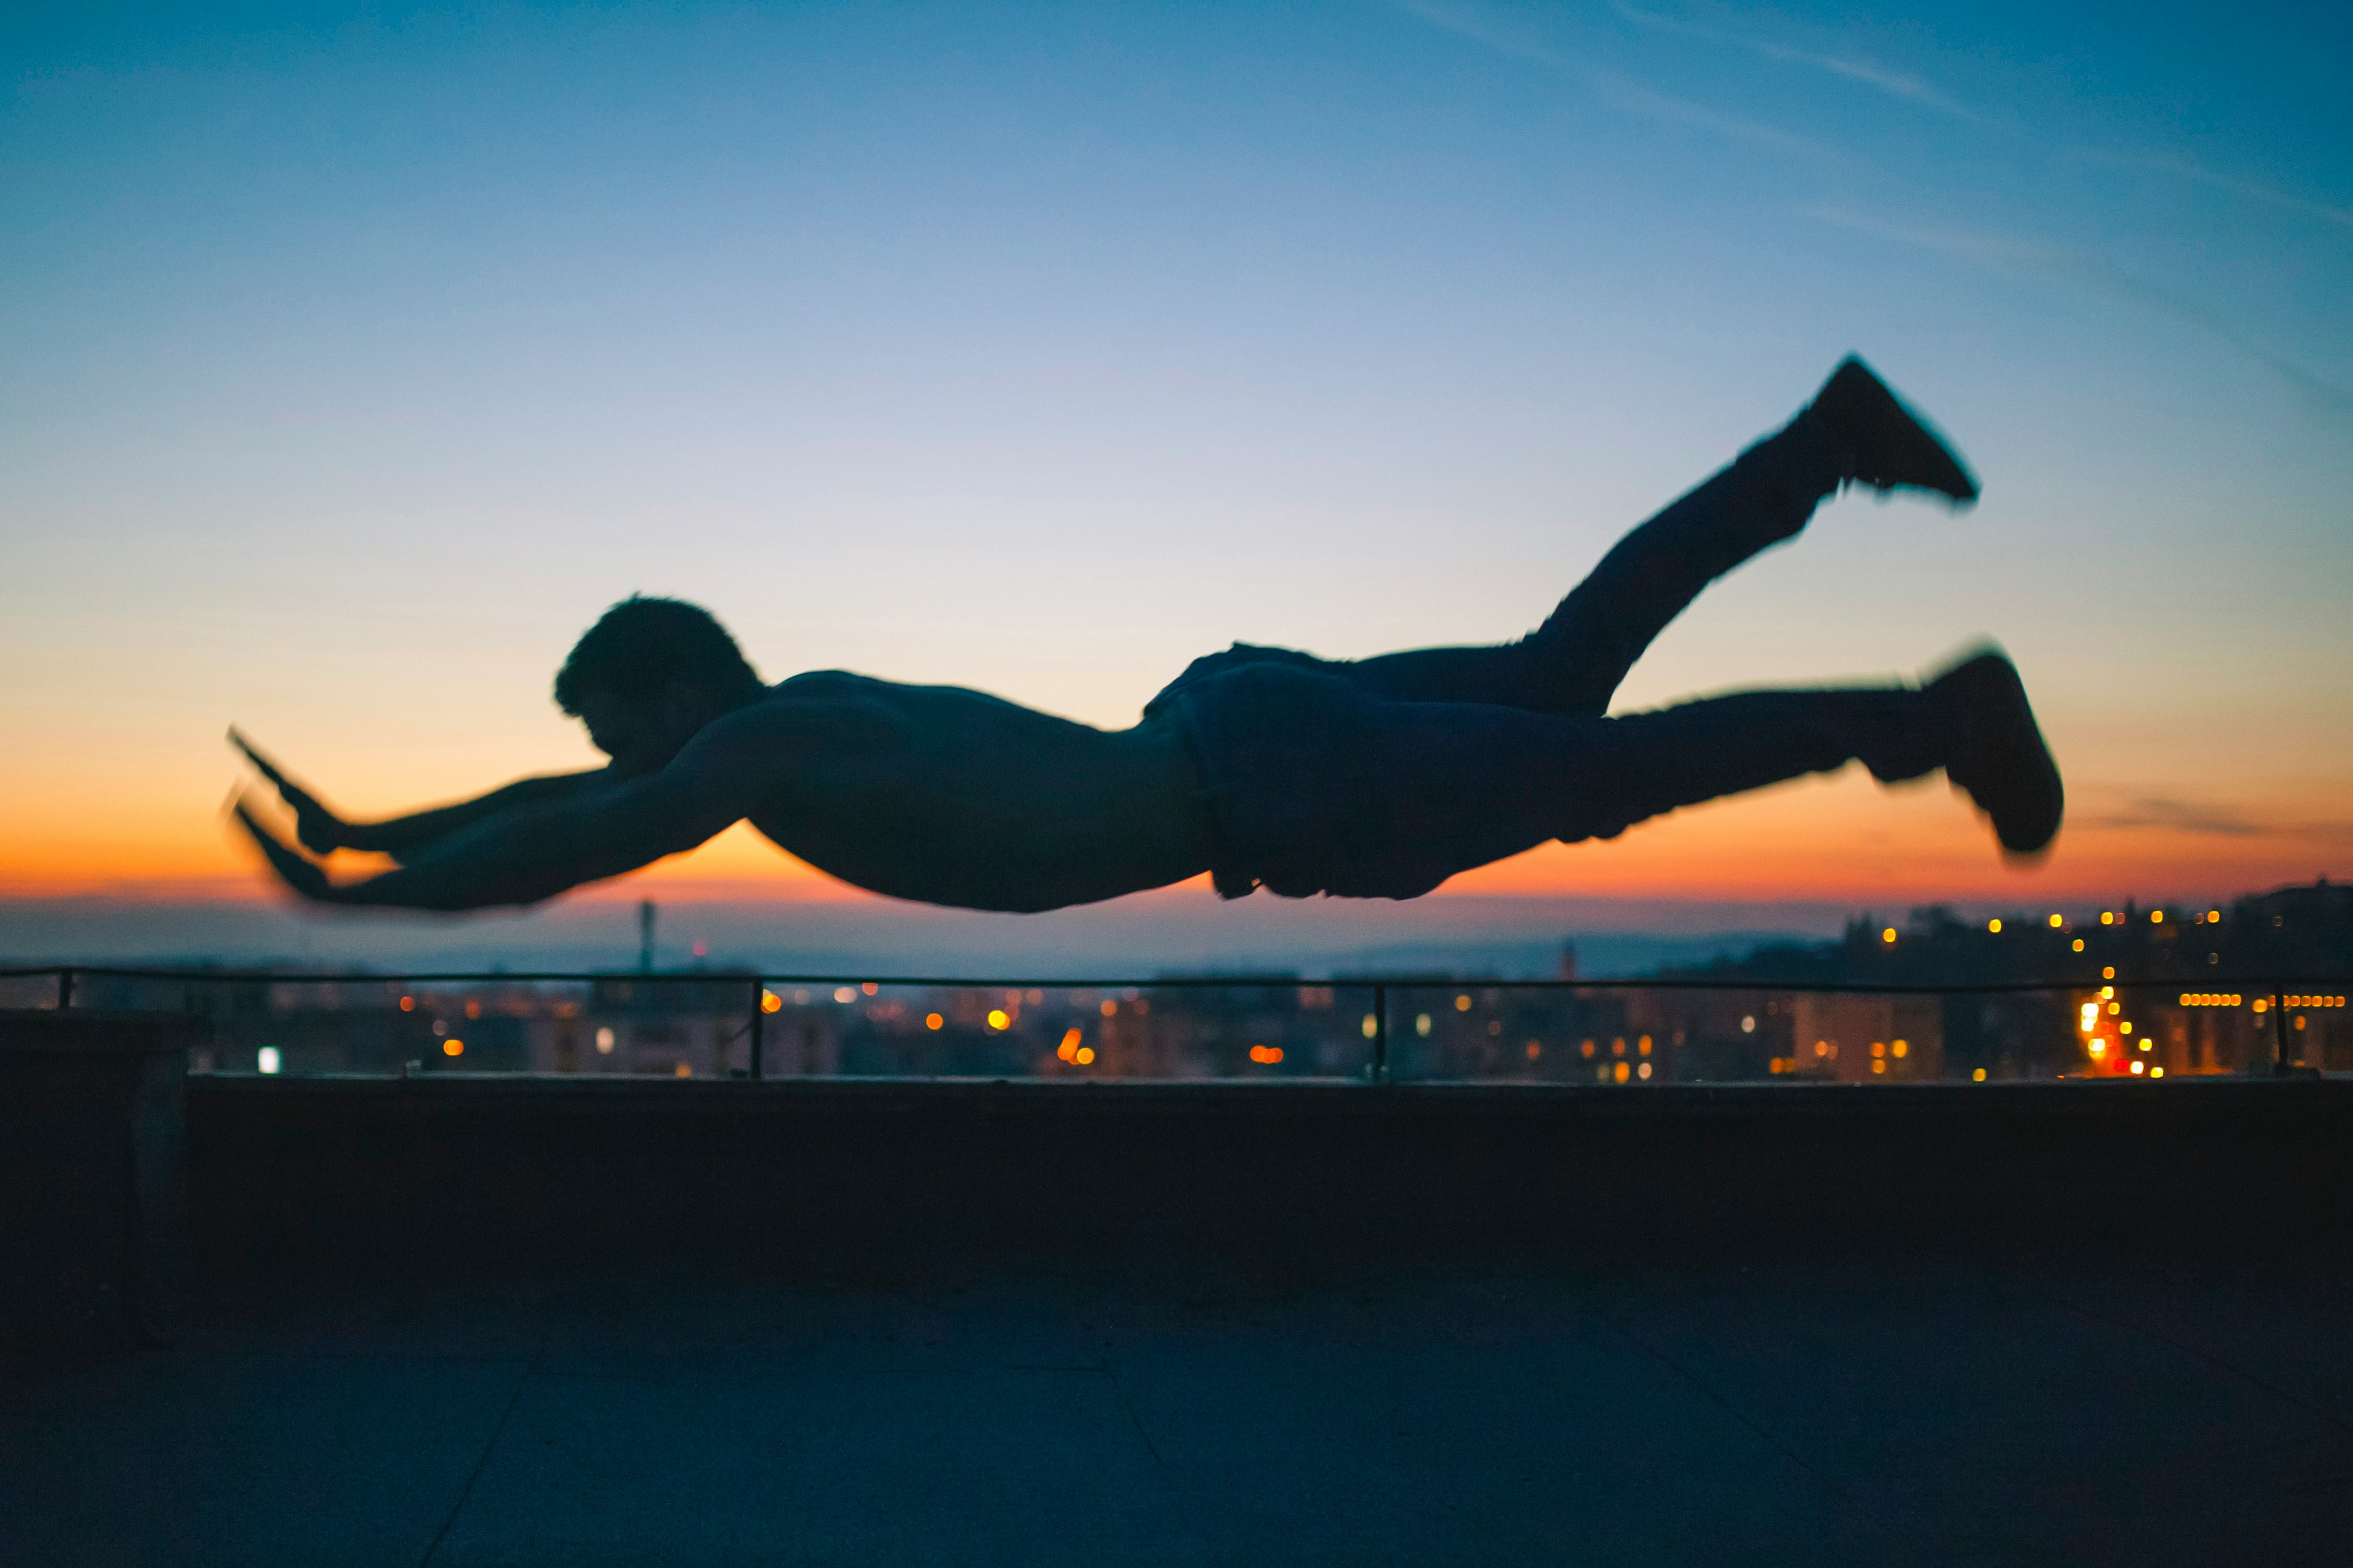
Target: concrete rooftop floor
1425	1414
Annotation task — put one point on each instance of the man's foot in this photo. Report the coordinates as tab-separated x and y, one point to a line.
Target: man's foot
1891	447
1998	754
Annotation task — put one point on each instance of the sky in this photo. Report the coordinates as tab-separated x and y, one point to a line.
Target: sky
355	360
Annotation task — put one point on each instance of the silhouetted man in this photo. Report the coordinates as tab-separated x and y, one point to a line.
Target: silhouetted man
1374	778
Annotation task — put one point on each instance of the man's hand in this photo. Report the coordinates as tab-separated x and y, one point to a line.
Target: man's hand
297	871
320	831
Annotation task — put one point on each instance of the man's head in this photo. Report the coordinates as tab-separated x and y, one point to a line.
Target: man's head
650	674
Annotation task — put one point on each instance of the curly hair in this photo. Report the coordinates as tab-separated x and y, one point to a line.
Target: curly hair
640	646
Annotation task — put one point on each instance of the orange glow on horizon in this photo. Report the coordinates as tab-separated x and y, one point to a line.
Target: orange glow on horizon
1843	841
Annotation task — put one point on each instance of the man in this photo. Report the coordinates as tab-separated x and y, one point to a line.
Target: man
1379	778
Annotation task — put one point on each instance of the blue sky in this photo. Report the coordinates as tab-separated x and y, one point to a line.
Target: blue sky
355	360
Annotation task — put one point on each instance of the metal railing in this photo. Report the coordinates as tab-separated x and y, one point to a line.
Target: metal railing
1694	1042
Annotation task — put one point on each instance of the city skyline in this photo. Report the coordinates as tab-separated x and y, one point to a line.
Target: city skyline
2148	994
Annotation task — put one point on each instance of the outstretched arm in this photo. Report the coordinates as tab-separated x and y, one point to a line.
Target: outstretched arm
321	831
530	852
749	759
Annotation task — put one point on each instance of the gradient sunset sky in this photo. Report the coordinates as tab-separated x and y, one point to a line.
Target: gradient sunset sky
357	361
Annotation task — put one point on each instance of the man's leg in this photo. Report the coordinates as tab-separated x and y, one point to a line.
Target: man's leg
1854	430
1435	788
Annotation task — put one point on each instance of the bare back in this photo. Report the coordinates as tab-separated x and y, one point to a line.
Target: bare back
952	796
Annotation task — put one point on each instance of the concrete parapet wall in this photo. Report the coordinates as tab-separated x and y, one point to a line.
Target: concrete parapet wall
93	1237
420	1175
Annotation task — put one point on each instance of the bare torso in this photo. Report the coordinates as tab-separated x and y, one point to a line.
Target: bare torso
953	797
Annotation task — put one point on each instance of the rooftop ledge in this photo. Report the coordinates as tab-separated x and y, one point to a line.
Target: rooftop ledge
444	1171
461	1172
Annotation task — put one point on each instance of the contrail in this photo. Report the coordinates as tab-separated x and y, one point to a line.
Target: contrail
1896	83
2016	256
1614	87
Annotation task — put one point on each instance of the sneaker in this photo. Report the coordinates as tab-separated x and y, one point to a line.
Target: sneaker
1998	754
1891	447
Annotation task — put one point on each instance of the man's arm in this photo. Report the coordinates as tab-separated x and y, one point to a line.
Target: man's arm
321	831
533	852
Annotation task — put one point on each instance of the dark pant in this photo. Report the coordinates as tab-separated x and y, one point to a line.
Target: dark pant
1431	778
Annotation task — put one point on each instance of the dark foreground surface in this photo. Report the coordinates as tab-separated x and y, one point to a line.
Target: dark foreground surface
539	1323
1422	1414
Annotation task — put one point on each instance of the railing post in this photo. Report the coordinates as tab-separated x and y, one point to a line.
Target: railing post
64	989
1380	1034
759	1021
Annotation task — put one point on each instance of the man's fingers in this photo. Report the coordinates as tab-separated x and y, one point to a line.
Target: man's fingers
266	768
293	793
316	825
295	870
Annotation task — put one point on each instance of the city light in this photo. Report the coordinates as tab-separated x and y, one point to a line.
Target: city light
2157	1073
870	988
1749	1022
2156	917
1621	1072
266	1058
1109	1007
2210	999
604	1042
997	1018
1462	1003
2108	973
1421	1025
1887	935
2056	922
453	1047
681	1070
1069	1049
844	994
1900	1047
1994	926
933	1021
770	1002
1536	1048
1372	1025
1977	1075
2137	1068
1643	1071
408	1004
1086	1054
1266	1055
2079	944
